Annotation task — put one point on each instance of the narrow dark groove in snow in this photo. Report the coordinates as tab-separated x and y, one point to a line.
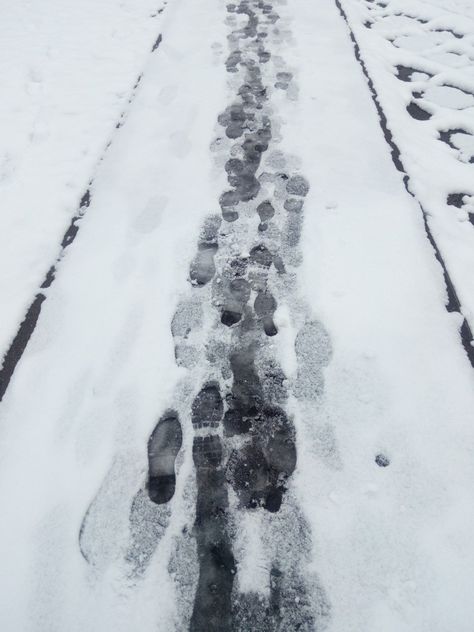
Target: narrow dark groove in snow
26	328
19	343
453	303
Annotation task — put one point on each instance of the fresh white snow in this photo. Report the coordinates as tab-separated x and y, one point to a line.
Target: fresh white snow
68	71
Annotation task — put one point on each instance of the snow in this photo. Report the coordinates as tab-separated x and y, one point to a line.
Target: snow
449	97
434	173
68	70
386	538
373	359
464	142
104	338
419	43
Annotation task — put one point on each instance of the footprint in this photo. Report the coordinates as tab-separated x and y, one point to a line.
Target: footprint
293	205
212	604
207	408
249	475
233	60
297	185
235	423
148	522
163	447
294	603
274	381
265	211
233	293
108	511
297	600
313	353
265	306
187	317
261	256
203	268
259	470
252	611
247	394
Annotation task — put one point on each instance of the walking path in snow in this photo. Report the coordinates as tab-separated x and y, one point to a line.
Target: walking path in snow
242	398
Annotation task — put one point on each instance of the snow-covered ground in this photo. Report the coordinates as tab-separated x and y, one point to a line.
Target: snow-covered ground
422	55
252	292
68	70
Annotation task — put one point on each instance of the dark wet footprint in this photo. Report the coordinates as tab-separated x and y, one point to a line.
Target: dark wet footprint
207	408
163	447
246	398
253	479
249	475
294	222
259	471
235	292
265	211
278	434
265	306
202	267
212	605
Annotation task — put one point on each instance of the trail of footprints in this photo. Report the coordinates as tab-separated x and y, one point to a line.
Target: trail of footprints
225	332
447	49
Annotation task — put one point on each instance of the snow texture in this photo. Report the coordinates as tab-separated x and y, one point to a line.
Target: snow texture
241	399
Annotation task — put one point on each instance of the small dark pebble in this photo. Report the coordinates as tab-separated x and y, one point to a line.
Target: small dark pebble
382	460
